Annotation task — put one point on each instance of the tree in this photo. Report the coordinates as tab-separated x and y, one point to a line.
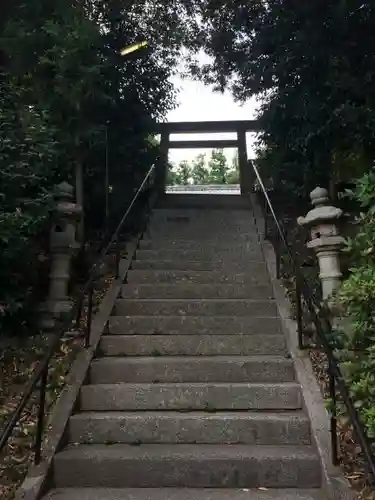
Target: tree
311	63
233	175
172	177
69	103
218	167
184	173
199	171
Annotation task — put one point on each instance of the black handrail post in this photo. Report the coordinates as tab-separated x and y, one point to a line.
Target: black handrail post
41	416
301	344
332	395
89	315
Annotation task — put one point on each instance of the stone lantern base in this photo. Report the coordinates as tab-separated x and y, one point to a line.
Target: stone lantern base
54	311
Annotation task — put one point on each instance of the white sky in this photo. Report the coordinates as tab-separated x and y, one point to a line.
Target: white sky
199	103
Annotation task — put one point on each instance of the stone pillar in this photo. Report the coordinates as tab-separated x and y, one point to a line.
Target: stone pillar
62	246
325	239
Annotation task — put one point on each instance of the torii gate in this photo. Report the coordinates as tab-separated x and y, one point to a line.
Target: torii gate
240	127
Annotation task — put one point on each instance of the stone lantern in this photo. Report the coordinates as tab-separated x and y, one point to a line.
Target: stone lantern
325	239
62	246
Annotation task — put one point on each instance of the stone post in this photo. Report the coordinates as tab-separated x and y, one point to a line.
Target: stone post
62	246
325	239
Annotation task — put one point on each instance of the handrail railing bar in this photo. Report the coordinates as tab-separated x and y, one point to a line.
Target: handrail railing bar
119	226
117	257
41	416
29	390
299	315
332	394
313	307
105	250
89	316
43	365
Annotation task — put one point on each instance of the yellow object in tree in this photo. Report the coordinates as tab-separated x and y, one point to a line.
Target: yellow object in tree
133	47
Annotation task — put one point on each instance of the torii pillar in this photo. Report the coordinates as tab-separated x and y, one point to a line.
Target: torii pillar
162	164
246	174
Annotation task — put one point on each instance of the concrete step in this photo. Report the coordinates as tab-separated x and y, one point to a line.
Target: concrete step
192	345
259	369
183	494
189	428
191	307
197	277
195	325
196	291
191	396
194	466
230	266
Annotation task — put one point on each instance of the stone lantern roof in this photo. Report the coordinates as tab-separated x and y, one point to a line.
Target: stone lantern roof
323	212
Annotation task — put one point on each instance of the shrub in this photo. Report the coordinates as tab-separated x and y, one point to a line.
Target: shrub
356	342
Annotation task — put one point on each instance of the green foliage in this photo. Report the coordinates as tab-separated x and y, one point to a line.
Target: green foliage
311	66
218	167
233	176
215	171
199	172
27	160
183	172
71	104
356	342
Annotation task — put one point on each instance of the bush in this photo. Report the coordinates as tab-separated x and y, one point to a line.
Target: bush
356	297
26	175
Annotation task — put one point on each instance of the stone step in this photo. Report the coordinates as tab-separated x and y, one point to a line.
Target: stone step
160	369
252	256
231	266
192	345
189	428
205	238
193	219
212	201
183	494
232	217
197	277
194	466
191	307
192	229
191	396
195	325
243	242
196	291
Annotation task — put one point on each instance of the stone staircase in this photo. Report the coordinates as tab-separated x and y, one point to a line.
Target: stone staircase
193	393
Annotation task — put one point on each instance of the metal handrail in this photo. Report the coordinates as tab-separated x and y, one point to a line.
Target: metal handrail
40	374
320	316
